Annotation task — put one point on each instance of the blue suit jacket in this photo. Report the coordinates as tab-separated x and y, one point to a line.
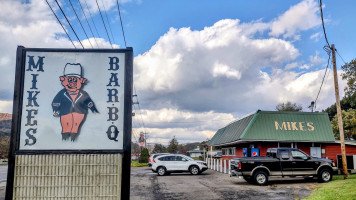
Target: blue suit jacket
63	103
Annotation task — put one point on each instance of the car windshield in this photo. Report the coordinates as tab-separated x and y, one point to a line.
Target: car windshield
189	158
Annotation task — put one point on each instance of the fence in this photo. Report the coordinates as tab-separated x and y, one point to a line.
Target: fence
220	165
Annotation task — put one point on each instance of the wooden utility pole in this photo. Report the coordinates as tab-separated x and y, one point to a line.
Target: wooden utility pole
339	117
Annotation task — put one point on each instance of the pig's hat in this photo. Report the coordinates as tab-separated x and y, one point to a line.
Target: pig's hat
73	69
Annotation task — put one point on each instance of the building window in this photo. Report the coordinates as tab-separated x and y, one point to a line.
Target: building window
229	151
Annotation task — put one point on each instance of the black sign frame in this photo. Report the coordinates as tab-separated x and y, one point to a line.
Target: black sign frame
17	113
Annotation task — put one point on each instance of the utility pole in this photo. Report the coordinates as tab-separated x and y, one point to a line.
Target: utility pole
339	117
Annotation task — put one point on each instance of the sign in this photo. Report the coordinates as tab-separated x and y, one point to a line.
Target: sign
73	100
77	103
141	140
294	126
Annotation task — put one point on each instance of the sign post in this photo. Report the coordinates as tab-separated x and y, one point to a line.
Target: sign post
71	127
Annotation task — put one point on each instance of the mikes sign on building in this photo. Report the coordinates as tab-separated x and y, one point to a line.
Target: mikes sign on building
75	103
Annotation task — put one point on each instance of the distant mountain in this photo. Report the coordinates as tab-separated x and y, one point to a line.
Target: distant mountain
5	124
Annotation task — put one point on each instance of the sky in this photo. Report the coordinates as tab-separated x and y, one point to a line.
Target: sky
198	65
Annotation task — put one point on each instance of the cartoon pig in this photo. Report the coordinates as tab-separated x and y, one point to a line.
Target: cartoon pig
71	104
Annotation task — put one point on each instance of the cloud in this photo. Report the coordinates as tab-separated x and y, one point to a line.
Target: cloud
300	17
316	36
225	70
183	57
5	106
29	24
291	66
315	60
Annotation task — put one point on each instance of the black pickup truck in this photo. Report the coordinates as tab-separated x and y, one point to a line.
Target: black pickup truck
282	162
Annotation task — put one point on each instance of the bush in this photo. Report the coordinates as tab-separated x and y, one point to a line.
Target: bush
144	156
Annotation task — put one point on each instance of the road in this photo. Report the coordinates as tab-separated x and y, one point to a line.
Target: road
212	185
3	172
3	175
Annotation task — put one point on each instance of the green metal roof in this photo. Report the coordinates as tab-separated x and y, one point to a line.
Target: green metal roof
231	132
277	126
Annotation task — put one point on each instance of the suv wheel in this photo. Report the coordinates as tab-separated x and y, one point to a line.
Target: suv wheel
194	170
325	175
261	178
161	171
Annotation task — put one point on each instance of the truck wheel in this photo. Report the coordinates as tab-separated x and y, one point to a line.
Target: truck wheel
261	178
161	171
325	175
194	170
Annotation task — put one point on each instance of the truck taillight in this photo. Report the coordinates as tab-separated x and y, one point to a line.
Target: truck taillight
239	165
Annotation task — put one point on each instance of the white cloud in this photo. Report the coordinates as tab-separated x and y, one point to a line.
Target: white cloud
300	17
163	124
315	60
225	70
316	36
29	24
291	66
305	66
5	106
183	57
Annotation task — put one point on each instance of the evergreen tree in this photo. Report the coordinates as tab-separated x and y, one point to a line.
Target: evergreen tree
173	145
144	156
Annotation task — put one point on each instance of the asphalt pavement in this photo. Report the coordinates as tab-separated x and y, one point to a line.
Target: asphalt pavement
212	185
209	185
3	176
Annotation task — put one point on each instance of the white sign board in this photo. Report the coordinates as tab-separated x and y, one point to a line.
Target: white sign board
73	101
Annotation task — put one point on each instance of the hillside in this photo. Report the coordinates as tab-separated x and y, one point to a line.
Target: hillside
5	124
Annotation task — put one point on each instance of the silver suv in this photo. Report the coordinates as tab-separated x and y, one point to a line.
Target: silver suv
175	163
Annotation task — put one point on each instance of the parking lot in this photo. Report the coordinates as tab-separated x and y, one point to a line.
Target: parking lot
212	185
209	185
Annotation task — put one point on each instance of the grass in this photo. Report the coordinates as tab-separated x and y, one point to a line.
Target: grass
135	163
338	188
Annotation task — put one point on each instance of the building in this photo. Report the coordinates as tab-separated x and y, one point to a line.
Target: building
254	134
196	152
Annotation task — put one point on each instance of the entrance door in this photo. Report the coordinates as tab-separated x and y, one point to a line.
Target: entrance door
315	152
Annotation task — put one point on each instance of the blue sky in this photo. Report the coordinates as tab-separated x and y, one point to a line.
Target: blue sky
198	64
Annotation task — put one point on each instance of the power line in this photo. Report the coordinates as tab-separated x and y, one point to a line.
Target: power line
97	32
139	109
322	21
122	28
322	82
69	23
88	23
80	22
104	23
61	24
340	56
106	14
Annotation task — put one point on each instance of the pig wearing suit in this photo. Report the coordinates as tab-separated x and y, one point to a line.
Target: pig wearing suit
71	104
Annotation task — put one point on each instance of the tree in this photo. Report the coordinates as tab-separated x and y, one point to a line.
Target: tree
173	145
144	156
349	122
289	107
4	145
350	76
159	148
